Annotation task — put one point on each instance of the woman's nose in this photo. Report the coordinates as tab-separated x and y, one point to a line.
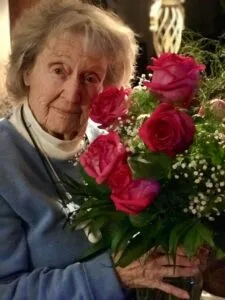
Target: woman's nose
72	91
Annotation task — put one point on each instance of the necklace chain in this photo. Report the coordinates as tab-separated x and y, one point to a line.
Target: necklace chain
63	194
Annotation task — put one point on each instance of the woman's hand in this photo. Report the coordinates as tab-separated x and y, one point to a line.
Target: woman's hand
149	273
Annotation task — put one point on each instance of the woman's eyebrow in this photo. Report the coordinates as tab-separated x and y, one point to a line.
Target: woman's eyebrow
97	68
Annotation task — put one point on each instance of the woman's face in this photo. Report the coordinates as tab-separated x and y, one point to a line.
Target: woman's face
62	84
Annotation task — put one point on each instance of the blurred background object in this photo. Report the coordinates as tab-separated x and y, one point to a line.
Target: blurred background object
166	19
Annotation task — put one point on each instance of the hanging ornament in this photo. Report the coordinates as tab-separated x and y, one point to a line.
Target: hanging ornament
167	24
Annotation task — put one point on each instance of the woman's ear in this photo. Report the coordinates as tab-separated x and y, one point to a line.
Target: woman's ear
26	77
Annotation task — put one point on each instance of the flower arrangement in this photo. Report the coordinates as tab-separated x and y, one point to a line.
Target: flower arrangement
155	177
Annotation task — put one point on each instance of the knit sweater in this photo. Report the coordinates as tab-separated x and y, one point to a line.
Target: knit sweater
39	257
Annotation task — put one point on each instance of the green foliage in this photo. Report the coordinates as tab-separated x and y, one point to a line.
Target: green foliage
141	220
211	53
134	250
177	235
142	102
192	195
121	237
211	151
150	165
98	190
197	236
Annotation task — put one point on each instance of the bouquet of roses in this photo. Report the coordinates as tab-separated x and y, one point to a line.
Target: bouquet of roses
155	177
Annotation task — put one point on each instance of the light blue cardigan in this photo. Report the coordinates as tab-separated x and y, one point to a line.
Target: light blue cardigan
37	255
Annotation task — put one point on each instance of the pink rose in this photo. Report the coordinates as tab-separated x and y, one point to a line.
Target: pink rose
175	79
108	106
120	177
102	156
168	130
218	108
136	197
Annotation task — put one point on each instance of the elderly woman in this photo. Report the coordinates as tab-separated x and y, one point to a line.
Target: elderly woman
63	54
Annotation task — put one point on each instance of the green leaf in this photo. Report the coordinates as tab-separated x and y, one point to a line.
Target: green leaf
140	220
177	234
84	216
220	253
134	250
97	224
97	203
196	236
150	165
206	234
92	187
121	234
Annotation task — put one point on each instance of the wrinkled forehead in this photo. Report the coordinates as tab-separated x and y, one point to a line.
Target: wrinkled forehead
71	51
67	44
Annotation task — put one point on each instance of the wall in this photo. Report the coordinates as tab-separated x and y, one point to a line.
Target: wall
4	53
4	29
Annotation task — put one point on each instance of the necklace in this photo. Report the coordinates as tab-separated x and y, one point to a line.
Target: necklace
64	196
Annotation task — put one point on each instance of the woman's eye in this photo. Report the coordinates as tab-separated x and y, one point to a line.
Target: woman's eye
91	79
58	71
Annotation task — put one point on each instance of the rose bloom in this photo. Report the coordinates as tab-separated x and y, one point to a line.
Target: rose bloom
137	196
168	130
218	108
102	156
109	105
175	78
120	177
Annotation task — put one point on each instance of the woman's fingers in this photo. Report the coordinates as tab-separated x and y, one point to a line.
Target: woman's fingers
170	289
186	261
145	282
150	273
179	261
179	271
170	272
